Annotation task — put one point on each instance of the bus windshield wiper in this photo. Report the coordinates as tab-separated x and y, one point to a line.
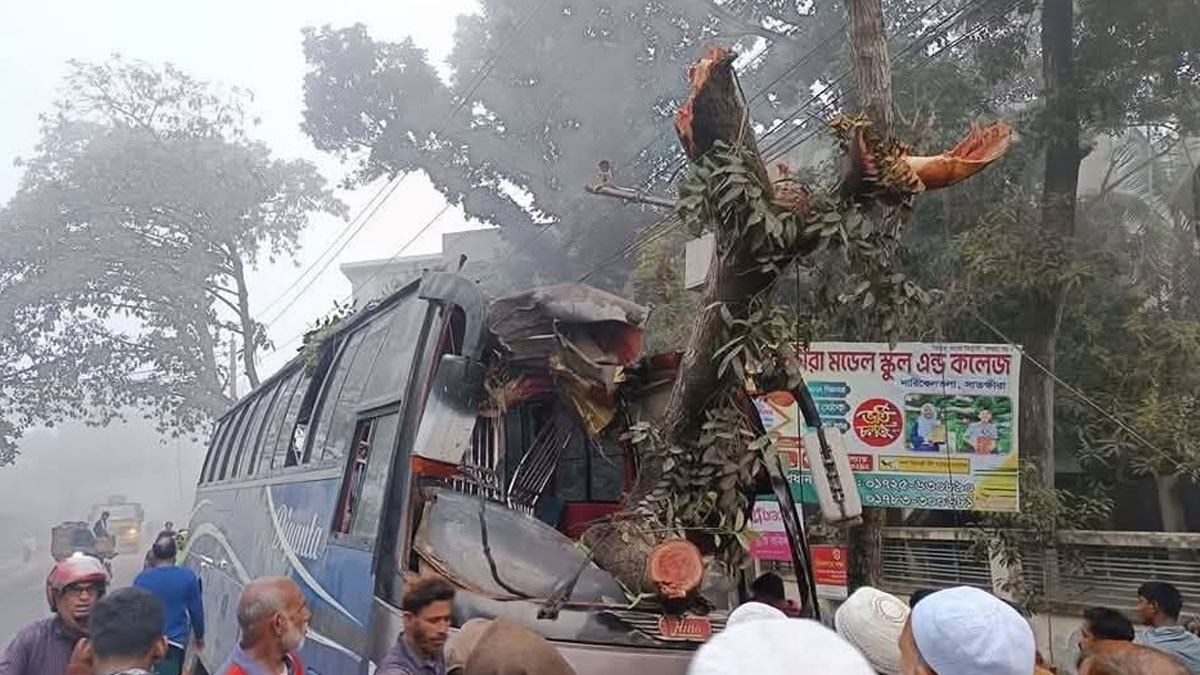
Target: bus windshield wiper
562	591
487	550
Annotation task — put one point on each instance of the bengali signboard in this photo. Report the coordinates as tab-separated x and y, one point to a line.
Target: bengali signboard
930	426
829	571
769	538
769	541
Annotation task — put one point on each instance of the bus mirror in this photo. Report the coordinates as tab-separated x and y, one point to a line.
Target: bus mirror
460	379
836	488
450	411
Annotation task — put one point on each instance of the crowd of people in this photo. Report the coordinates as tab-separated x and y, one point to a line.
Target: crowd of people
144	628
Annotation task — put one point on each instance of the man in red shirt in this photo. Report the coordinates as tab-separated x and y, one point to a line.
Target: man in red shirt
273	616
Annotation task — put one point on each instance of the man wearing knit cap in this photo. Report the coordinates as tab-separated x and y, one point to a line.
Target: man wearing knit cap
966	631
872	621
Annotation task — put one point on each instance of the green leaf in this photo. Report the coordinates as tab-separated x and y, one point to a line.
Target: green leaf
726	315
732	360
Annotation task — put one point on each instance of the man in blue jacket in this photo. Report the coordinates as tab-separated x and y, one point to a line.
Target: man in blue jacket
179	590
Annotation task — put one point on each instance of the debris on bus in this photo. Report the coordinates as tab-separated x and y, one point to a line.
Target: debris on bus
436	433
569	337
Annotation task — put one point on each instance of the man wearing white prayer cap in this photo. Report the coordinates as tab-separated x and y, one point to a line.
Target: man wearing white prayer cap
966	631
872	621
778	647
754	611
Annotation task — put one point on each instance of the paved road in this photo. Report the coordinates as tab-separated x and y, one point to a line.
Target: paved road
23	588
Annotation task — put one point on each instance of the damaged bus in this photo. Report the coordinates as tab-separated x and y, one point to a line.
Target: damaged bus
435	434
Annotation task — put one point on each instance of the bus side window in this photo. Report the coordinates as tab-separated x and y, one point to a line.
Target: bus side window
249	433
353	372
232	441
365	482
212	450
266	416
279	427
294	432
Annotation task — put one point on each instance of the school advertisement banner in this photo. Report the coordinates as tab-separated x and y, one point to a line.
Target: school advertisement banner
929	426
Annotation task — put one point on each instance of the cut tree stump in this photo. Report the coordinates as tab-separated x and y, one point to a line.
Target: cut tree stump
676	568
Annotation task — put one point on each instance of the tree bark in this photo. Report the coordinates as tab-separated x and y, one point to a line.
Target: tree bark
214	390
1061	182
871	63
734	278
1174	518
714	112
873	90
245	318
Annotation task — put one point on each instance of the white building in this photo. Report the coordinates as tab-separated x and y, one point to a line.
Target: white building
372	279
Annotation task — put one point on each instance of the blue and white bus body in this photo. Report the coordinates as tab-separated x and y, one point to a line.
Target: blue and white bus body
266	528
327	473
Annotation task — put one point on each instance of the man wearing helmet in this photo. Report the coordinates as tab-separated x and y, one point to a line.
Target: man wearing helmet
44	647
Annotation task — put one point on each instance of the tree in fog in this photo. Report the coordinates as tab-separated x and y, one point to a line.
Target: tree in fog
123	274
538	94
1020	247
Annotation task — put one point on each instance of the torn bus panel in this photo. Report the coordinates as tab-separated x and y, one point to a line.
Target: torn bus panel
543	458
572	337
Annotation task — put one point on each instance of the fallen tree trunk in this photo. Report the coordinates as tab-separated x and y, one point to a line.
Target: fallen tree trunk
714	113
699	464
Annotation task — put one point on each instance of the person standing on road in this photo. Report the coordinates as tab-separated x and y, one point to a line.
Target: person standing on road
506	647
45	646
778	647
1159	605
872	621
273	617
1101	626
768	589
966	631
100	528
427	606
178	588
126	634
1132	660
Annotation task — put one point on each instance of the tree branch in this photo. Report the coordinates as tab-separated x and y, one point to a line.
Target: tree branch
1104	190
750	28
225	301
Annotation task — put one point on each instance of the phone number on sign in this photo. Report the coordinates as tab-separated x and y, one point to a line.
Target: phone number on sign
918	484
920	501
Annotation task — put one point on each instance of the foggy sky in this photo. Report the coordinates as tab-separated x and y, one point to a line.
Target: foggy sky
62	472
252	44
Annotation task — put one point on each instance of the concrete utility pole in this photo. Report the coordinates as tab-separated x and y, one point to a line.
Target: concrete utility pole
604	186
630	195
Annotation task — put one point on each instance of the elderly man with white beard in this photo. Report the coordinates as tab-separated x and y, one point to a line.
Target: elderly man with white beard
273	617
